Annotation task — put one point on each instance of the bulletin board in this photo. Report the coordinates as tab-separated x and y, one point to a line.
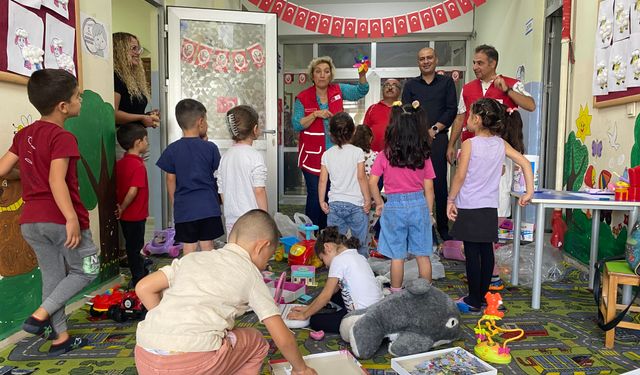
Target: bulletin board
47	25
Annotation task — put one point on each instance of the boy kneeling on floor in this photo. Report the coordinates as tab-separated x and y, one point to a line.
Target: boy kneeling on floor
194	302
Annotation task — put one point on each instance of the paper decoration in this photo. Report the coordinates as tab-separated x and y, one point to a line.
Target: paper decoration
479	2
427	18
439	14
289	12
583	123
301	17
605	24
336	26
30	3
203	56
239	58
255	2
387	27
288	78
401	25
278	7
375	28
363	28
59	45
325	24
188	50
634	11
257	55
601	72
265	5
95	36
414	22
465	5
452	9
221	60
633	66
349	28
59	6
312	21
24	36
618	66
225	103
302	78
621	19
362	63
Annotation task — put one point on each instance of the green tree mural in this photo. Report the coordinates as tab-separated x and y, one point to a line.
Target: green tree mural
635	150
576	160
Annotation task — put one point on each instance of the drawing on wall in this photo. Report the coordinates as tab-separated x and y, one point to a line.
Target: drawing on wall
635	149
618	66
596	148
601	72
30	3
576	159
25	35
583	123
605	24
635	16
590	177
621	20
95	36
16	256
612	134
59	6
633	69
25	120
60	42
603	179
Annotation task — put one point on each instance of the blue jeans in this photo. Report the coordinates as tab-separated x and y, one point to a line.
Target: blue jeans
312	209
345	216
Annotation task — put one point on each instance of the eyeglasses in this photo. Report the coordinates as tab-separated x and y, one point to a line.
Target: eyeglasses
391	85
137	49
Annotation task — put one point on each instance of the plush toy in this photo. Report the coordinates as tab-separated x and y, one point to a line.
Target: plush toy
416	319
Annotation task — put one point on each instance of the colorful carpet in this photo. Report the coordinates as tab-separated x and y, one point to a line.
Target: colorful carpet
560	338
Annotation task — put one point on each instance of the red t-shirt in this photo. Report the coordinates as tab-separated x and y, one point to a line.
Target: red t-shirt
130	171
377	118
36	146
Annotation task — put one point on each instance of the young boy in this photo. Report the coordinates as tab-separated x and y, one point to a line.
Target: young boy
193	304
190	163
132	193
53	221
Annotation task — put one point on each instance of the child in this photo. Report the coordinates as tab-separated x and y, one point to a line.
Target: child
53	221
193	304
349	272
132	194
473	199
242	175
349	198
408	183
363	137
190	163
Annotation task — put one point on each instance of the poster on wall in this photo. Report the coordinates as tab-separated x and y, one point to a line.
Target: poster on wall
601	72
604	33
95	36
633	68
30	3
59	45
59	6
618	58
634	10
24	38
621	19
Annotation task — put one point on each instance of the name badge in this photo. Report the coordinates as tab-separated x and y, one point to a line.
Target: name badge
336	97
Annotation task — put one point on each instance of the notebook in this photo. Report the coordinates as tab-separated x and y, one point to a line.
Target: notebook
286	307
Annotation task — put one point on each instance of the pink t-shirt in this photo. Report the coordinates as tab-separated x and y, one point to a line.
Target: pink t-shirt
402	180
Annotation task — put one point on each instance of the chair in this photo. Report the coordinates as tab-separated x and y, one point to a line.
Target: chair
616	273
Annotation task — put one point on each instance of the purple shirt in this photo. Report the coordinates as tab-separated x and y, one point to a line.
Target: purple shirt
402	180
481	185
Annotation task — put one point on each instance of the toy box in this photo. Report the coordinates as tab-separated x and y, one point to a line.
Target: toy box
331	363
304	275
290	291
411	364
505	232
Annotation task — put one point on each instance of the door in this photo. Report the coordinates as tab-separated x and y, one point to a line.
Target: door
223	59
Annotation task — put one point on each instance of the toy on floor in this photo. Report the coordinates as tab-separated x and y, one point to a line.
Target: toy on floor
304	275
486	348
281	288
117	304
559	229
302	253
162	243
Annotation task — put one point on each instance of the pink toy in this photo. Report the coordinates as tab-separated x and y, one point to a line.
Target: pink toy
317	335
162	243
453	249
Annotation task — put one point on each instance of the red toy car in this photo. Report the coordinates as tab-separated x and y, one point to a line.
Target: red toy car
118	305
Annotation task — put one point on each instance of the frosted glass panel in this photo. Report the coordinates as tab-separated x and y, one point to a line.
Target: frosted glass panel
226	69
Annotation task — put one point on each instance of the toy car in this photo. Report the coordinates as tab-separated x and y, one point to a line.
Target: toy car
117	305
162	243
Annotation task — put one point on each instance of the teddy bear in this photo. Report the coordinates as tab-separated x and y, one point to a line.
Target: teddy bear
415	320
16	256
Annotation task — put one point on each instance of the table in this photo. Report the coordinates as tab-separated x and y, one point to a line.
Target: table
564	199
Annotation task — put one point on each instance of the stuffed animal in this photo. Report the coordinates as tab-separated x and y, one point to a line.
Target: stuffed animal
416	319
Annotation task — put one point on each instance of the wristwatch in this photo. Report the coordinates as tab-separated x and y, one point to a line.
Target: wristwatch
435	129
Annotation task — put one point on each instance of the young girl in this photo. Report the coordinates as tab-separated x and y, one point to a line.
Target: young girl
349	198
473	199
363	137
408	184
242	174
349	274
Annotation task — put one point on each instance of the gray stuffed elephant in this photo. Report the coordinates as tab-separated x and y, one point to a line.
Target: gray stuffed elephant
415	320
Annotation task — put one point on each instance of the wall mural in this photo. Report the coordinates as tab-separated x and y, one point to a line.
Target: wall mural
635	150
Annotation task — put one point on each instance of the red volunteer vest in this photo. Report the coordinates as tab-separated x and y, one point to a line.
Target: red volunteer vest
472	91
312	141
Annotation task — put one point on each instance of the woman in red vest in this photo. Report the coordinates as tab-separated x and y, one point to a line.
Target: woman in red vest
311	112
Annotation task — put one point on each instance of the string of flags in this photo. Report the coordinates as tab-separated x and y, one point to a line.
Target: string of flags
367	28
221	59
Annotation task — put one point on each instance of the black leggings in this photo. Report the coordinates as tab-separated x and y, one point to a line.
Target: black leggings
329	322
479	264
133	232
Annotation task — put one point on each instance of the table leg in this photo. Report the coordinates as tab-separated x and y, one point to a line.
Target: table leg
515	267
593	253
537	262
626	289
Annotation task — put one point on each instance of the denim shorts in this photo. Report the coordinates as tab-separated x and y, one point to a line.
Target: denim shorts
405	226
347	216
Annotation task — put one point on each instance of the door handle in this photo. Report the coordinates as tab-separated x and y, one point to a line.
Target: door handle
269	131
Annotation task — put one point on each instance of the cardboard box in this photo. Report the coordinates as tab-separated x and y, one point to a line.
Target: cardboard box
526	232
332	363
404	365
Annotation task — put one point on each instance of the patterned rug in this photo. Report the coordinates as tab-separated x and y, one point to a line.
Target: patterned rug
560	338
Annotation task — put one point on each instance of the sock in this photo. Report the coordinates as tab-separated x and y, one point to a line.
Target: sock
67	346
36	326
495	278
395	290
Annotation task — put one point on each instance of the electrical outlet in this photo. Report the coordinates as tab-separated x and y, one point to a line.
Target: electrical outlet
631	110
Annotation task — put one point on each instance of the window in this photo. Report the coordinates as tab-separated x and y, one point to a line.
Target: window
297	56
451	53
392	55
343	55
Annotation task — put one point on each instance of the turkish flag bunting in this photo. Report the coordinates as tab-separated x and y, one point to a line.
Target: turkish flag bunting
479	2
255	2
363	28
452	9
375	28
289	12
414	22
203	56
387	27
401	25
312	21
336	26
265	5
349	28
188	49
301	17
324	25
439	14
427	18
465	5
278	7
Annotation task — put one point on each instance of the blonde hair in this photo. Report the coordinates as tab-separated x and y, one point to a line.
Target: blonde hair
322	60
132	75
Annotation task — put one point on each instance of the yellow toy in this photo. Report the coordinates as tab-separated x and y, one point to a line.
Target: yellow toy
486	348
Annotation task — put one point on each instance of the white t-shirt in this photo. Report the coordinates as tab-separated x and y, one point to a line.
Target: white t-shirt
506	181
518	87
359	286
241	169
342	165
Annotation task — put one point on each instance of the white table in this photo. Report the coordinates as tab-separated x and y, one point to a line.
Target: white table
564	199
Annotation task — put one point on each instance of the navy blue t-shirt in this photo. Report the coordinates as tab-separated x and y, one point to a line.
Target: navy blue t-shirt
193	161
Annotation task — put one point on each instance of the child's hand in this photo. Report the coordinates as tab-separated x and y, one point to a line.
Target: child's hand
452	211
325	207
73	234
367	207
306	371
118	211
379	207
525	199
297	313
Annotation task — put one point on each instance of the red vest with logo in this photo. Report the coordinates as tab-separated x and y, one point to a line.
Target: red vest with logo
312	141
472	91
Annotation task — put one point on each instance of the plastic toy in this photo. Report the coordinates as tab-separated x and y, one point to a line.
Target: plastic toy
304	275
362	63
118	305
283	294
162	243
559	229
317	335
302	253
287	243
486	348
